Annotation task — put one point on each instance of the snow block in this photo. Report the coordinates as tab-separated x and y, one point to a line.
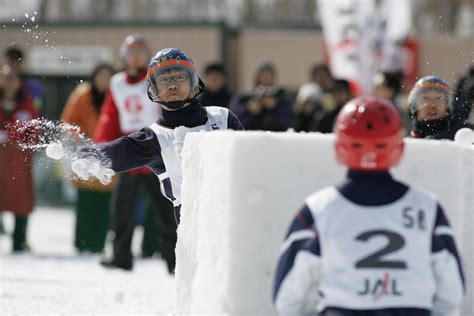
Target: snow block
241	190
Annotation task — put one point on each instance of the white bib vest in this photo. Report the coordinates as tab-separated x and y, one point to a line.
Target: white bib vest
375	256
171	143
135	109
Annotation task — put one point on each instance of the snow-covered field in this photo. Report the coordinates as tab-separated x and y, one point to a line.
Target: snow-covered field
53	279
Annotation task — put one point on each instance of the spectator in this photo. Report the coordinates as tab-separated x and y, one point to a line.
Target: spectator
463	97
321	75
431	109
461	105
468	106
16	193
216	92
92	205
268	108
388	85
341	94
126	109
16	59
307	106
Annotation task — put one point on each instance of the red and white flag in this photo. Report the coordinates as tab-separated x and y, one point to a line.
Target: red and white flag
363	37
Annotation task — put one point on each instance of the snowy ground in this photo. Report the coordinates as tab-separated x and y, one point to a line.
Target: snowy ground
54	279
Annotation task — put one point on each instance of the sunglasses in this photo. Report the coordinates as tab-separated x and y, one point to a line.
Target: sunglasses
167	80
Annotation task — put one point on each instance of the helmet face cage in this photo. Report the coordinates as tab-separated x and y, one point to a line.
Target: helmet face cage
368	134
425	84
165	61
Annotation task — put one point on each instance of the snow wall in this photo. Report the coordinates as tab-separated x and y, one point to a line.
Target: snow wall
242	189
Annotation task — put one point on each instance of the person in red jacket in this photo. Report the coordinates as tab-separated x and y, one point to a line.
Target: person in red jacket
127	109
16	184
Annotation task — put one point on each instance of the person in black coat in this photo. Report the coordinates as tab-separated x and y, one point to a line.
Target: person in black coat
268	107
216	92
342	95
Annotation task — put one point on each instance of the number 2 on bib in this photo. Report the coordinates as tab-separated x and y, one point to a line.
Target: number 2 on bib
375	260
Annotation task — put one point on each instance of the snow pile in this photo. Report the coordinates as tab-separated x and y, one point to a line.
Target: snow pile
241	190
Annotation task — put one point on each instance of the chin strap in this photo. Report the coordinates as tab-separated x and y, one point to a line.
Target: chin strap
176	105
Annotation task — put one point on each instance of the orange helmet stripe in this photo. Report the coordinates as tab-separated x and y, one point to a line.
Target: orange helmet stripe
432	85
167	64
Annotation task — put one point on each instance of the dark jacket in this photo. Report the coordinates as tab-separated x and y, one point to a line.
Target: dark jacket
445	131
276	119
221	98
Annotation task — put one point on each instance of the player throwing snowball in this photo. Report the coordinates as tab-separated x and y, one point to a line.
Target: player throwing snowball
172	81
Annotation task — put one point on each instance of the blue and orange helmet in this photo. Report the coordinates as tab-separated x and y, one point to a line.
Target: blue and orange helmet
171	59
425	84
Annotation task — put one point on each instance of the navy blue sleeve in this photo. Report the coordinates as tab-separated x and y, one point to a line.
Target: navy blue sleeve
443	239
133	151
233	122
302	235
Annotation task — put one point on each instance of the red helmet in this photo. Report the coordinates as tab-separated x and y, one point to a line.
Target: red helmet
368	134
